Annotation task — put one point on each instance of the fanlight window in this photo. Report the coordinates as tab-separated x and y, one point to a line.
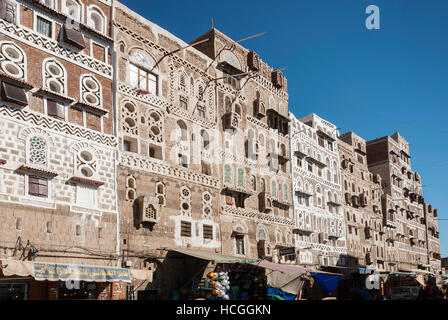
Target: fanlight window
72	8
97	20
91	90
54	76
12	60
38	151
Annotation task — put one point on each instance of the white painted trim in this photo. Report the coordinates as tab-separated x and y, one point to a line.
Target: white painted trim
42	48
49	60
80	4
93	8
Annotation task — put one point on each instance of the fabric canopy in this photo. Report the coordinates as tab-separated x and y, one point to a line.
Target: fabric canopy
17	268
284	268
215	257
61	272
328	282
290	283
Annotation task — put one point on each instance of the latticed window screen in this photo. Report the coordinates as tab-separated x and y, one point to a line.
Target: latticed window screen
185	229
150	212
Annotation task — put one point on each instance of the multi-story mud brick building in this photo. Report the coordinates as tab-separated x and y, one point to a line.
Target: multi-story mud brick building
132	161
58	203
255	199
316	176
362	206
169	185
407	217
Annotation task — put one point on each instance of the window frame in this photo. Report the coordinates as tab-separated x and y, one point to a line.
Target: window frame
38	195
38	16
93	9
240	245
148	73
63	105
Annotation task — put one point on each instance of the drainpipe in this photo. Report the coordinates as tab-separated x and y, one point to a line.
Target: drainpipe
114	128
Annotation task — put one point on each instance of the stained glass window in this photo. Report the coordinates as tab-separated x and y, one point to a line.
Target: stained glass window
38	151
240	177
227	174
274	189
285	191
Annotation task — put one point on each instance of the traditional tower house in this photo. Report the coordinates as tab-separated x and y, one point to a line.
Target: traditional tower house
319	231
168	179
252	103
58	178
403	204
362	206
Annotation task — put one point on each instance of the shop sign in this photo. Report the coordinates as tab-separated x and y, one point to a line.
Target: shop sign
287	251
55	272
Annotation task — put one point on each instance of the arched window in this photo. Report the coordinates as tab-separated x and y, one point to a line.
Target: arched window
261	140
155	124
262	234
130	188
91	91
72	8
182	81
228	174
262	185
274	188
129	118
122	46
12	60
160	193
54	76
241	178
182	130
38	150
285	192
97	19
86	163
142	76
253	183
205	140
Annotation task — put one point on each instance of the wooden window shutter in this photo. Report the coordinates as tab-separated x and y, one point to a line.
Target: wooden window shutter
208	231
185	229
14	94
43	187
33	185
52	108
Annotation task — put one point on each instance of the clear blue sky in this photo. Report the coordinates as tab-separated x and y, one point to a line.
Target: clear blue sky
372	82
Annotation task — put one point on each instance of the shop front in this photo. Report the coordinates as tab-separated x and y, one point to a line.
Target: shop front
30	280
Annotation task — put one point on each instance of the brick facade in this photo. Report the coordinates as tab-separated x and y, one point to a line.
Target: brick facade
117	151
